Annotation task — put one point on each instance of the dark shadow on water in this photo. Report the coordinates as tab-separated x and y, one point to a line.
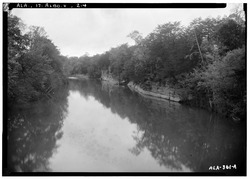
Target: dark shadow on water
176	135
32	133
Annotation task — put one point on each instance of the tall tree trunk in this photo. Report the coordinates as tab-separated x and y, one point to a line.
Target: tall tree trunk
198	45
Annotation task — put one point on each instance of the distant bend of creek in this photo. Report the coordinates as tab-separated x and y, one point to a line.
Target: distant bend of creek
91	126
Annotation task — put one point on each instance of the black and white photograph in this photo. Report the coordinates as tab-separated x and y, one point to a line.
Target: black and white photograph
134	89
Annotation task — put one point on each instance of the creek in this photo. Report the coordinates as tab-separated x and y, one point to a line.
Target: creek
92	126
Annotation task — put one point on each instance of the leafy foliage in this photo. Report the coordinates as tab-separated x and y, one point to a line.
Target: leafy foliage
34	63
206	59
231	35
225	79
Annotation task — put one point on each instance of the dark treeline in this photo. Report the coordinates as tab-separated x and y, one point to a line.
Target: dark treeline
207	59
34	63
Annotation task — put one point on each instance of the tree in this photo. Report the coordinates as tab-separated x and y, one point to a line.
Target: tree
136	36
203	39
104	61
17	46
34	63
167	47
118	57
225	81
231	35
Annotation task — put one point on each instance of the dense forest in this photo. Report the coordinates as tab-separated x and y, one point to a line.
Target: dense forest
206	58
34	63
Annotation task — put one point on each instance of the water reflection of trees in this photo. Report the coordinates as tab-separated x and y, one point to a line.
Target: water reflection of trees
32	133
175	135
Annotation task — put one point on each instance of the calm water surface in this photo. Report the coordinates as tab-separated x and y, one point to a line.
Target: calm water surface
90	126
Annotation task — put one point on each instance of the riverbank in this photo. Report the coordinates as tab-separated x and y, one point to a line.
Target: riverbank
166	92
112	114
158	92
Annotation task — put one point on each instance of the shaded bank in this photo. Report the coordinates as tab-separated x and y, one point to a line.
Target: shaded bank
175	134
169	94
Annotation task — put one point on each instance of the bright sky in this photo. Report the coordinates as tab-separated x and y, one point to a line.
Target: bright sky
79	31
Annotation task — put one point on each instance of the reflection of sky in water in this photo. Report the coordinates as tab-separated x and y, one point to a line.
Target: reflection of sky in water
97	127
95	139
